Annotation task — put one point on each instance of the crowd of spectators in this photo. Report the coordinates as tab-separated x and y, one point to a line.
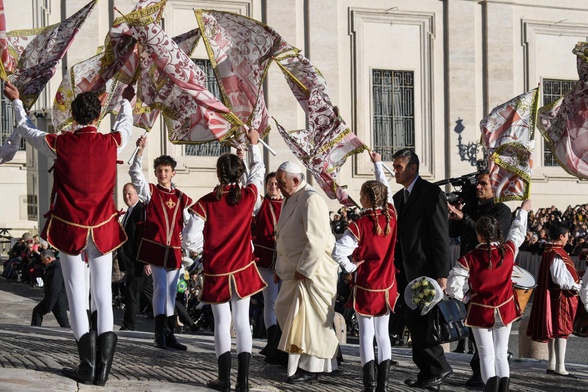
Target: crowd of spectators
24	260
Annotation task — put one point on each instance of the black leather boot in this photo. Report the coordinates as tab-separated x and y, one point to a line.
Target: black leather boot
170	338
492	384
503	385
85	371
383	376
223	382
243	372
160	330
271	335
369	377
104	356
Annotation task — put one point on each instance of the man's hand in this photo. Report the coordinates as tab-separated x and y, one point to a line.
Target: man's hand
454	212
526	205
442	282
147	269
357	262
276	278
241	153
10	91
299	276
252	136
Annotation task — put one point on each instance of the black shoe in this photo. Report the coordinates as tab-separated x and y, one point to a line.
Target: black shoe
434	383
423	385
475	381
125	328
302	377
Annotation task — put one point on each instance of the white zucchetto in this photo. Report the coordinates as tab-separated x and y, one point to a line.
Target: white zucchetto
290	167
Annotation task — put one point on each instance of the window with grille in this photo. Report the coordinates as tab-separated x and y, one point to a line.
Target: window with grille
212	149
553	89
7	120
393	115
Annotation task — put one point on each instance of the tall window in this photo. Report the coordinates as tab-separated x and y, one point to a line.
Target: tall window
212	149
553	89
393	118
7	120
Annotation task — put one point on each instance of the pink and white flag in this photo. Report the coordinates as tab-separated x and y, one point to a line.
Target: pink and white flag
38	59
508	136
564	123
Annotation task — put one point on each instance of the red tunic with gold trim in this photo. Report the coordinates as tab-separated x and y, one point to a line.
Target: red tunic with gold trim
227	255
490	288
375	290
160	244
554	309
264	239
82	198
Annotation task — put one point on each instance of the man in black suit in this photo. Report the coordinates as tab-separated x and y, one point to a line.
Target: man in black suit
136	279
424	247
55	298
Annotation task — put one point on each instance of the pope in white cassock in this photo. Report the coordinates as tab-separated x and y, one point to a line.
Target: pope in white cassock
305	304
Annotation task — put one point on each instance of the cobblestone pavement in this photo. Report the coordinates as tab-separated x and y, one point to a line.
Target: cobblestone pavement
31	359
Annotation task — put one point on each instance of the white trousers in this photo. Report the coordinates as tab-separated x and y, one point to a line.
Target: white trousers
74	275
493	350
368	327
165	288
270	293
222	325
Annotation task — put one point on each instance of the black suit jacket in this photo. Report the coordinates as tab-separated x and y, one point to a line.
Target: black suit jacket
128	251
423	232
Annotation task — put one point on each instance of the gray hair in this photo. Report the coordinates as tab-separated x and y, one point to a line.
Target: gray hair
48	253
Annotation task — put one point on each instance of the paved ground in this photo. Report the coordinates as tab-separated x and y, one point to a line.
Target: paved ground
31	359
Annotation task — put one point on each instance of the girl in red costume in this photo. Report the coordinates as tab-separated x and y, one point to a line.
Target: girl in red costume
230	273
556	299
370	242
83	217
492	301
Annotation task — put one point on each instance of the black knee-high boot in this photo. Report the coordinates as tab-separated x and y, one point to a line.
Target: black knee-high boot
170	337
369	377
243	372
160	330
104	356
84	373
504	384
383	376
223	382
492	384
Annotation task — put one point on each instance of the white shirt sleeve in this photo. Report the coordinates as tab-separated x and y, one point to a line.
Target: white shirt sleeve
29	132
124	123
256	170
138	179
561	276
192	237
381	177
344	247
518	230
584	290
456	281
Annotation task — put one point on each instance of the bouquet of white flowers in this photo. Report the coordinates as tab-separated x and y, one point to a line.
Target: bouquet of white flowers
423	292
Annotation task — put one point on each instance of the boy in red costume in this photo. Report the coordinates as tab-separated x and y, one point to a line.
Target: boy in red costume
160	248
556	299
83	218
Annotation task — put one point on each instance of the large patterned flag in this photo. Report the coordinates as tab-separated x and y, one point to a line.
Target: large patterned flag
4	55
39	50
508	136
241	50
564	123
327	142
177	89
109	72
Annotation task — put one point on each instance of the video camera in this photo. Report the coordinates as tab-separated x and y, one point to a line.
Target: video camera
465	186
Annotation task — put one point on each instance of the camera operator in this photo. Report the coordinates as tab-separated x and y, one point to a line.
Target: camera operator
462	223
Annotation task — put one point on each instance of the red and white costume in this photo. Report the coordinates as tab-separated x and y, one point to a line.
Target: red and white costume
230	271
374	287
492	303
264	238
83	216
556	296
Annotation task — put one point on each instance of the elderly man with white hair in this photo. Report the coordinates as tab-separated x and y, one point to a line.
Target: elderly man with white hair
305	304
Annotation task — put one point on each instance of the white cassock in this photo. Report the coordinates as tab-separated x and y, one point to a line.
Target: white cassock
305	309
